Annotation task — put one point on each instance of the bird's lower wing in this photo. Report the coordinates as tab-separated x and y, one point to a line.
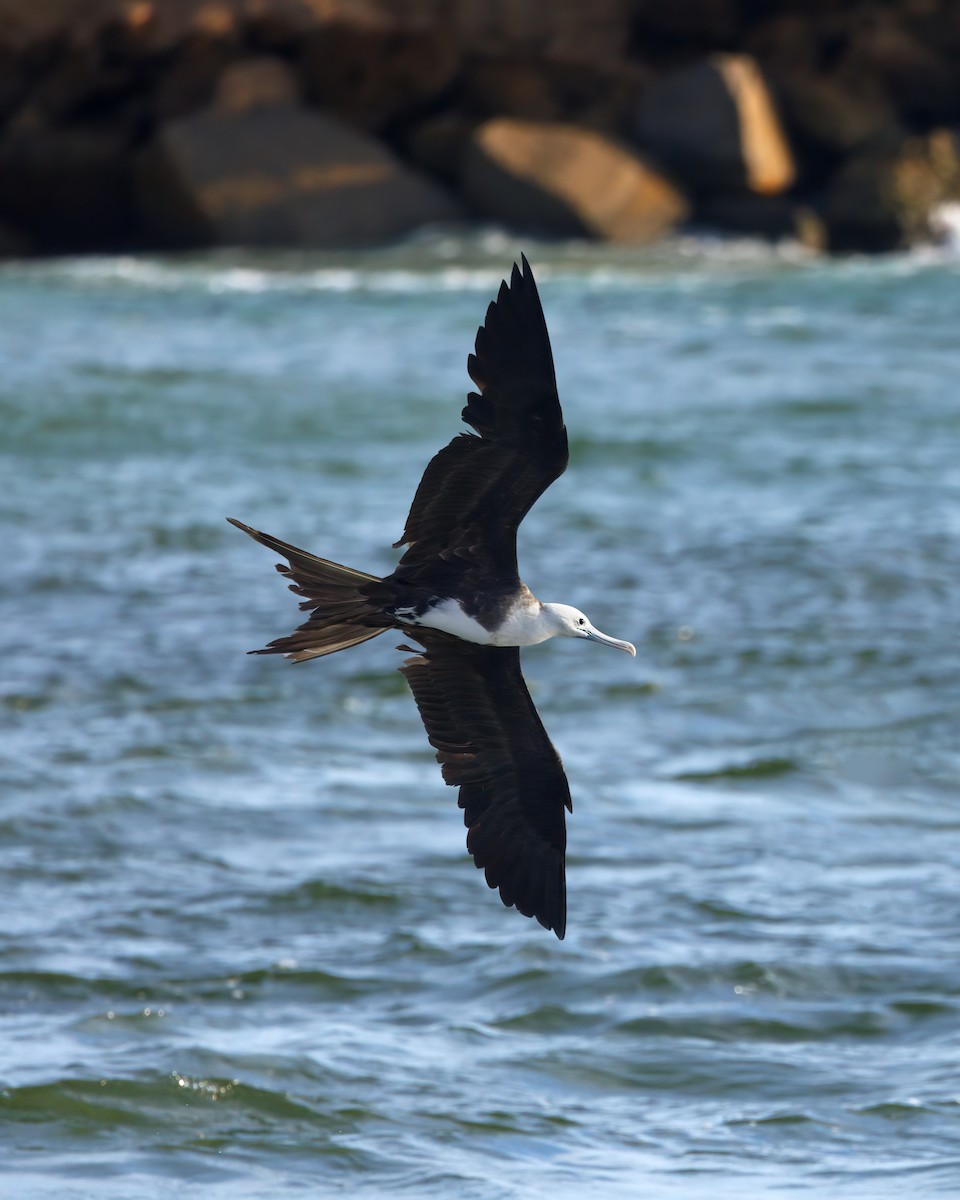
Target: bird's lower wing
491	743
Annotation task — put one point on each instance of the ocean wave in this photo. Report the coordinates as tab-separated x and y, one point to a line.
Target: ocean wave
472	263
437	261
214	277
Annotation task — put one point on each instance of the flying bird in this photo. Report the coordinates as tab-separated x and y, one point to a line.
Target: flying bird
457	592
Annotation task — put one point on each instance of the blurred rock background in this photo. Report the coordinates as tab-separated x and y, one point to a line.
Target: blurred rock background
142	124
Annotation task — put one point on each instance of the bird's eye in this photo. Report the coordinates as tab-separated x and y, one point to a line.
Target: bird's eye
582	621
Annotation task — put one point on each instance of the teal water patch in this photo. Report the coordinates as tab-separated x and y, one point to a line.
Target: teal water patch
245	952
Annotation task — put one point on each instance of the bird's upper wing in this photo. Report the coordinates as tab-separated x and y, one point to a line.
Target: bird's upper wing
491	743
487	483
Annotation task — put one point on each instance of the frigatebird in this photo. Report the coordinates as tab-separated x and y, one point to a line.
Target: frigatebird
457	592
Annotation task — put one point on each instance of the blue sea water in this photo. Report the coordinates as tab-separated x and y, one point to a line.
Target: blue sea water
243	951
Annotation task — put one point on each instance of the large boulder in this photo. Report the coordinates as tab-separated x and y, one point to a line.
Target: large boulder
567	181
834	116
564	29
437	146
277	174
13	244
771	217
919	77
15	81
716	126
126	27
28	26
67	188
279	24
884	199
785	43
716	22
375	71
260	82
146	28
74	77
535	88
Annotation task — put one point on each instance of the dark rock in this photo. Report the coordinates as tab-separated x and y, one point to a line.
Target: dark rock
62	71
27	26
70	78
936	26
13	243
920	81
134	27
512	87
835	117
601	96
279	175
84	82
714	23
377	72
567	181
189	80
564	29
785	44
437	146
279	24
68	188
256	83
883	200
15	78
715	125
772	217
158	27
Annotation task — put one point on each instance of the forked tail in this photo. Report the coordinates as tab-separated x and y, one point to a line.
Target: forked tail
340	614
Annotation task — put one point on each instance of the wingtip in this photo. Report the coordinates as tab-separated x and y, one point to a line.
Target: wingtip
555	925
524	281
548	909
522	275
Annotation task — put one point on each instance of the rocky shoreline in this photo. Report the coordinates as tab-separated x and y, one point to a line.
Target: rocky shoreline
147	124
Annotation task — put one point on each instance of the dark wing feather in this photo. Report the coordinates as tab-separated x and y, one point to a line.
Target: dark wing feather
476	490
491	743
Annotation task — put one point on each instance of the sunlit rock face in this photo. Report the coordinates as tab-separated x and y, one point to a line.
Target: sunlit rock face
568	181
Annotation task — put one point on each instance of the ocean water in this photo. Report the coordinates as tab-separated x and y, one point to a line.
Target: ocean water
243	951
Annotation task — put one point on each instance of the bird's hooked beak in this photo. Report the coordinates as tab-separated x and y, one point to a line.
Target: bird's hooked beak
596	636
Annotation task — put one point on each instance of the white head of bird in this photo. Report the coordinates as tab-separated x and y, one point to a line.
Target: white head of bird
571	622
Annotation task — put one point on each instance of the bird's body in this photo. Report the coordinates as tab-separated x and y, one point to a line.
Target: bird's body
457	591
520	623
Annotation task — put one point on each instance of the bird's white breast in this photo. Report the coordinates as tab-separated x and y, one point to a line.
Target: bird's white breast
523	625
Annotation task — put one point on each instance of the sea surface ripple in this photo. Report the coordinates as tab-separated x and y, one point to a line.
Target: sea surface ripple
244	953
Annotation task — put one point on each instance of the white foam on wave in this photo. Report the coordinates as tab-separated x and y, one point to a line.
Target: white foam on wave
441	262
155	274
428	263
945	223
